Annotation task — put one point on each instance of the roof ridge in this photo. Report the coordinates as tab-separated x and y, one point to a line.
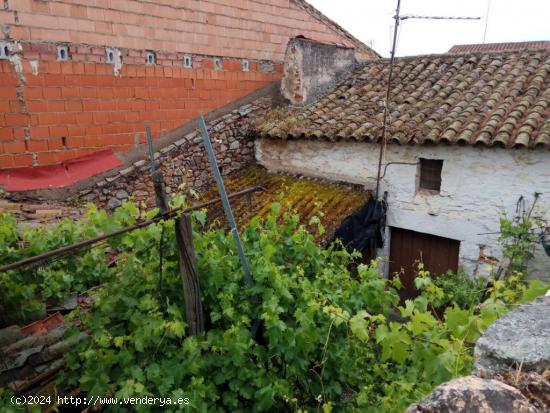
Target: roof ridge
494	43
499	46
457	55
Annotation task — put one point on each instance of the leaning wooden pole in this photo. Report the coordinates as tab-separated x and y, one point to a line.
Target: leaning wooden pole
194	315
189	275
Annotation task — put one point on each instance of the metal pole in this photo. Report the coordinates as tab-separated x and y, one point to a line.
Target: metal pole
149	137
225	200
156	176
387	102
398	19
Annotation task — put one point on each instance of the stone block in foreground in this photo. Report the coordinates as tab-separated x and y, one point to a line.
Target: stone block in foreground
520	337
472	394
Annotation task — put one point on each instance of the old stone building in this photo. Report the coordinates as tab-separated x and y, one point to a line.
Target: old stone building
79	76
468	137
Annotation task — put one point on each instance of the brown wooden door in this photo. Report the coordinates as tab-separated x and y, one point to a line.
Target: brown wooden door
408	247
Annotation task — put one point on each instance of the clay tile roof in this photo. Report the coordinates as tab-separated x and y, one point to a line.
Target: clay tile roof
499	47
491	99
31	356
331	202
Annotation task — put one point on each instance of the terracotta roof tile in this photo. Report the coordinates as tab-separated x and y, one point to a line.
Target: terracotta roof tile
32	355
493	99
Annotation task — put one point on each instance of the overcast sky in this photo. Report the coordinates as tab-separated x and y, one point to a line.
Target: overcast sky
371	21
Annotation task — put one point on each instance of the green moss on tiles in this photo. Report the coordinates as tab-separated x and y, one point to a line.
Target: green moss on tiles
331	202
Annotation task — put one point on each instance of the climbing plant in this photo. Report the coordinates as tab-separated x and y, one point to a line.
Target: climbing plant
518	237
24	292
328	341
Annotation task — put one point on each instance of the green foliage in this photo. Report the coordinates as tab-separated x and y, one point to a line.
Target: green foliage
138	345
24	292
9	403
459	289
425	349
329	340
518	239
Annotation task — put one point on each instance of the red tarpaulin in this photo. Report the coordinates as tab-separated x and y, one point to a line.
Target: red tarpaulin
58	176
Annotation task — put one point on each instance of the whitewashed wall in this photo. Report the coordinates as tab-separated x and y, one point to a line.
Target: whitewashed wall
477	185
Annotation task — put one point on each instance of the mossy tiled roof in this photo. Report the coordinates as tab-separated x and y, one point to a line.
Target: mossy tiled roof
330	201
489	99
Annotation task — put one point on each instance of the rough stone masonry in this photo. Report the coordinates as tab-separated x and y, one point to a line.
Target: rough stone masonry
512	368
184	161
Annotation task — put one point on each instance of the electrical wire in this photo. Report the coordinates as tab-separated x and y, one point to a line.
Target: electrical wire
396	32
410	16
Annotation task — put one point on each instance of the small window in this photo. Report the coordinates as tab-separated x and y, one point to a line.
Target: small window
4	50
187	61
62	53
218	63
110	55
430	174
150	58
246	66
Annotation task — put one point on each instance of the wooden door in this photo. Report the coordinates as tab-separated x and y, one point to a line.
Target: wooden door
408	247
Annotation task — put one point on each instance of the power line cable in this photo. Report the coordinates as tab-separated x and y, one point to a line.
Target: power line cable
486	20
396	31
412	16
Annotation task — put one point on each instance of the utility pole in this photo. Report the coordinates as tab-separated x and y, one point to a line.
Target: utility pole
398	19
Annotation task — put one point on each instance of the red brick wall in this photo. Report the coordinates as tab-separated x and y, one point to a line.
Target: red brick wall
76	108
52	111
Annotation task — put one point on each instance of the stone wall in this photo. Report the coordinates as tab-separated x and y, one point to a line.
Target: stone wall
512	366
184	161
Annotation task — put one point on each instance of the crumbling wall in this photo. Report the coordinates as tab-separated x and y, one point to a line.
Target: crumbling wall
312	68
478	184
184	161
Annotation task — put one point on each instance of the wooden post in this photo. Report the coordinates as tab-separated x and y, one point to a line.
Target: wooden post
160	194
189	275
186	254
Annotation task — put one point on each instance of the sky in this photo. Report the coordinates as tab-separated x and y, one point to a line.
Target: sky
371	21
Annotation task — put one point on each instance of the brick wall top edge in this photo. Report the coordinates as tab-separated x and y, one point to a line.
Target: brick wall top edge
242	28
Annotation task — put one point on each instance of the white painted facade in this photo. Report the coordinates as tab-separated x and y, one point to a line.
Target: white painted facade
477	185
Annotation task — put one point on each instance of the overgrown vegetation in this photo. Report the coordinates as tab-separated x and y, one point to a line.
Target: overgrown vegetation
328	342
24	293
